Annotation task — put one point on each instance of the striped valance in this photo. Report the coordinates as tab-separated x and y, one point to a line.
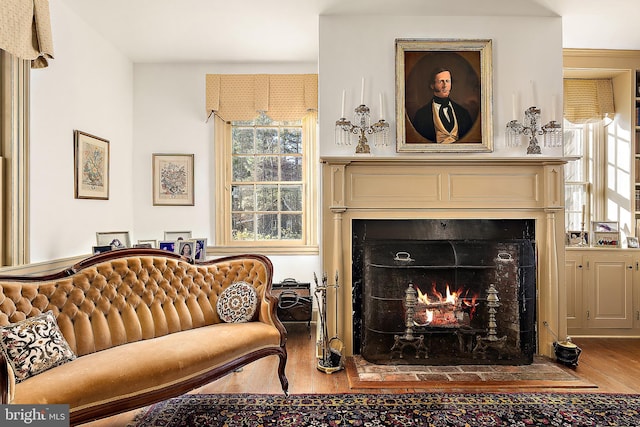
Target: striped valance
245	96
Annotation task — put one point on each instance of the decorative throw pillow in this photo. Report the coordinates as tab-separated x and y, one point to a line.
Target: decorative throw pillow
238	303
34	345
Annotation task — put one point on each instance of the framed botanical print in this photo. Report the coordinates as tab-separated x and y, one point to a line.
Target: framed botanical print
173	179
91	166
443	95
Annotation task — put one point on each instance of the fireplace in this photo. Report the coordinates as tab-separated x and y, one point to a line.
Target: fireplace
517	201
444	291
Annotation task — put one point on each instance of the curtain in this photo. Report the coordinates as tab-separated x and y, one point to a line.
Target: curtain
244	96
25	30
588	99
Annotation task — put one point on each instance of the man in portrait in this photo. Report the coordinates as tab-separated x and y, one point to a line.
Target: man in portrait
442	120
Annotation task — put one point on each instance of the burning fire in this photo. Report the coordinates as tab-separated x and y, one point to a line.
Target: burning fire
454	309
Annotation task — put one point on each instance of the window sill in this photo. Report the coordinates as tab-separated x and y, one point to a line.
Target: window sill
266	250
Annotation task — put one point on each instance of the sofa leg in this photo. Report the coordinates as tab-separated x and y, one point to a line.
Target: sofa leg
281	374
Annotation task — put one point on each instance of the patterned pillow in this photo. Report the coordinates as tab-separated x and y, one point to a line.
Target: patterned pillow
238	303
34	345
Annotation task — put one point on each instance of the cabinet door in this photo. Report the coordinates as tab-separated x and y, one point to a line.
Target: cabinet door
573	280
609	299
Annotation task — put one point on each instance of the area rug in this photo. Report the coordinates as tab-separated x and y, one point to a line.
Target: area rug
543	373
416	409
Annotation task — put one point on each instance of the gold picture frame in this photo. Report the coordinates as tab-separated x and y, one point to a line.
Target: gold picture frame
467	65
173	179
91	166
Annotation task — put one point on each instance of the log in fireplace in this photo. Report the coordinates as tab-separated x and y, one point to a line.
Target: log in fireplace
445	291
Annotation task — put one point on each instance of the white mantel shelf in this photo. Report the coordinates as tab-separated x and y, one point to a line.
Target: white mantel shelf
486	160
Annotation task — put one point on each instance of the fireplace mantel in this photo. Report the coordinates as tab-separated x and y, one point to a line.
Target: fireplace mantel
434	187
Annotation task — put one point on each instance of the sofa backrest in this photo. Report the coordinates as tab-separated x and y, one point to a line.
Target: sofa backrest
130	298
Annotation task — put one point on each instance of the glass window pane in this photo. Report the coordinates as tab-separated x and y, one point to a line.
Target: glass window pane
242	169
267	168
266	140
242	198
291	226
243	226
267	226
291	140
267	198
291	168
242	140
291	198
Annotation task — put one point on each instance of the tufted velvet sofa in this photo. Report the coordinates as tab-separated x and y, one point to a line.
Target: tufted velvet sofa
144	326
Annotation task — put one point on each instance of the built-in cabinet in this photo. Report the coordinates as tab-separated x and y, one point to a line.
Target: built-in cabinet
636	122
603	292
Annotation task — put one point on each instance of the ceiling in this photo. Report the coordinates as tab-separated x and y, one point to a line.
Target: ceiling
287	30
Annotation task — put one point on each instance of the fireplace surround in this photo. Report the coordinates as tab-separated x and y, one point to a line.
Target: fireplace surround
481	188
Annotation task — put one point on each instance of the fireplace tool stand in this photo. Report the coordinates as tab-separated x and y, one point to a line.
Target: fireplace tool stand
331	360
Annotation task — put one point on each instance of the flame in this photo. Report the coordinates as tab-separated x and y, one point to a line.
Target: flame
459	301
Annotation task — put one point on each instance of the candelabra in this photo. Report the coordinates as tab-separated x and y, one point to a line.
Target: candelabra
552	131
361	128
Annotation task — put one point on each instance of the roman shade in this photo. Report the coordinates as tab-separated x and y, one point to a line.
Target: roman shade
244	96
25	30
588	99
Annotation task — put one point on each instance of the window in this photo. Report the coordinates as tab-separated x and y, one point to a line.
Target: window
266	180
266	188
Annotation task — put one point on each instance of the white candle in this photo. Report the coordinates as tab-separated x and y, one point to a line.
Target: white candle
381	107
362	93
514	107
583	213
342	111
533	94
553	107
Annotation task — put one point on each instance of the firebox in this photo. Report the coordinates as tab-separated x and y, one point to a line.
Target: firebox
429	296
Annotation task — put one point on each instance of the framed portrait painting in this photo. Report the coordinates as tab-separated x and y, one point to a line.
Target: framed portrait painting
443	95
173	179
91	166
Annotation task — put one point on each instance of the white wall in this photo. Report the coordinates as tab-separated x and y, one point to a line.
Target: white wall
89	87
352	47
160	108
170	117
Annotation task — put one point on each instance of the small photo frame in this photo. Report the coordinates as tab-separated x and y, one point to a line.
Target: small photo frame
173	179
186	248
91	166
167	245
101	249
606	239
200	249
115	239
147	244
632	242
143	245
177	235
575	238
604	226
455	74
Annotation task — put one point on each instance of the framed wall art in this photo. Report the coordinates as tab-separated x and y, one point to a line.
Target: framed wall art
173	179
443	95
91	166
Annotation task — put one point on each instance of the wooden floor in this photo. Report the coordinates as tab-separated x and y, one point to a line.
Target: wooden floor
612	364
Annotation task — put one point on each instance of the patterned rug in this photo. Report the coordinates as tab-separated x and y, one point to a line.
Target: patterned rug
416	409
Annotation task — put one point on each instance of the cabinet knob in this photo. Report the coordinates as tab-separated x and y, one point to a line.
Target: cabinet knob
579	265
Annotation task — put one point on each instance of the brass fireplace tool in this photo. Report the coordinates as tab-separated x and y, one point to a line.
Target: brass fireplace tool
331	360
